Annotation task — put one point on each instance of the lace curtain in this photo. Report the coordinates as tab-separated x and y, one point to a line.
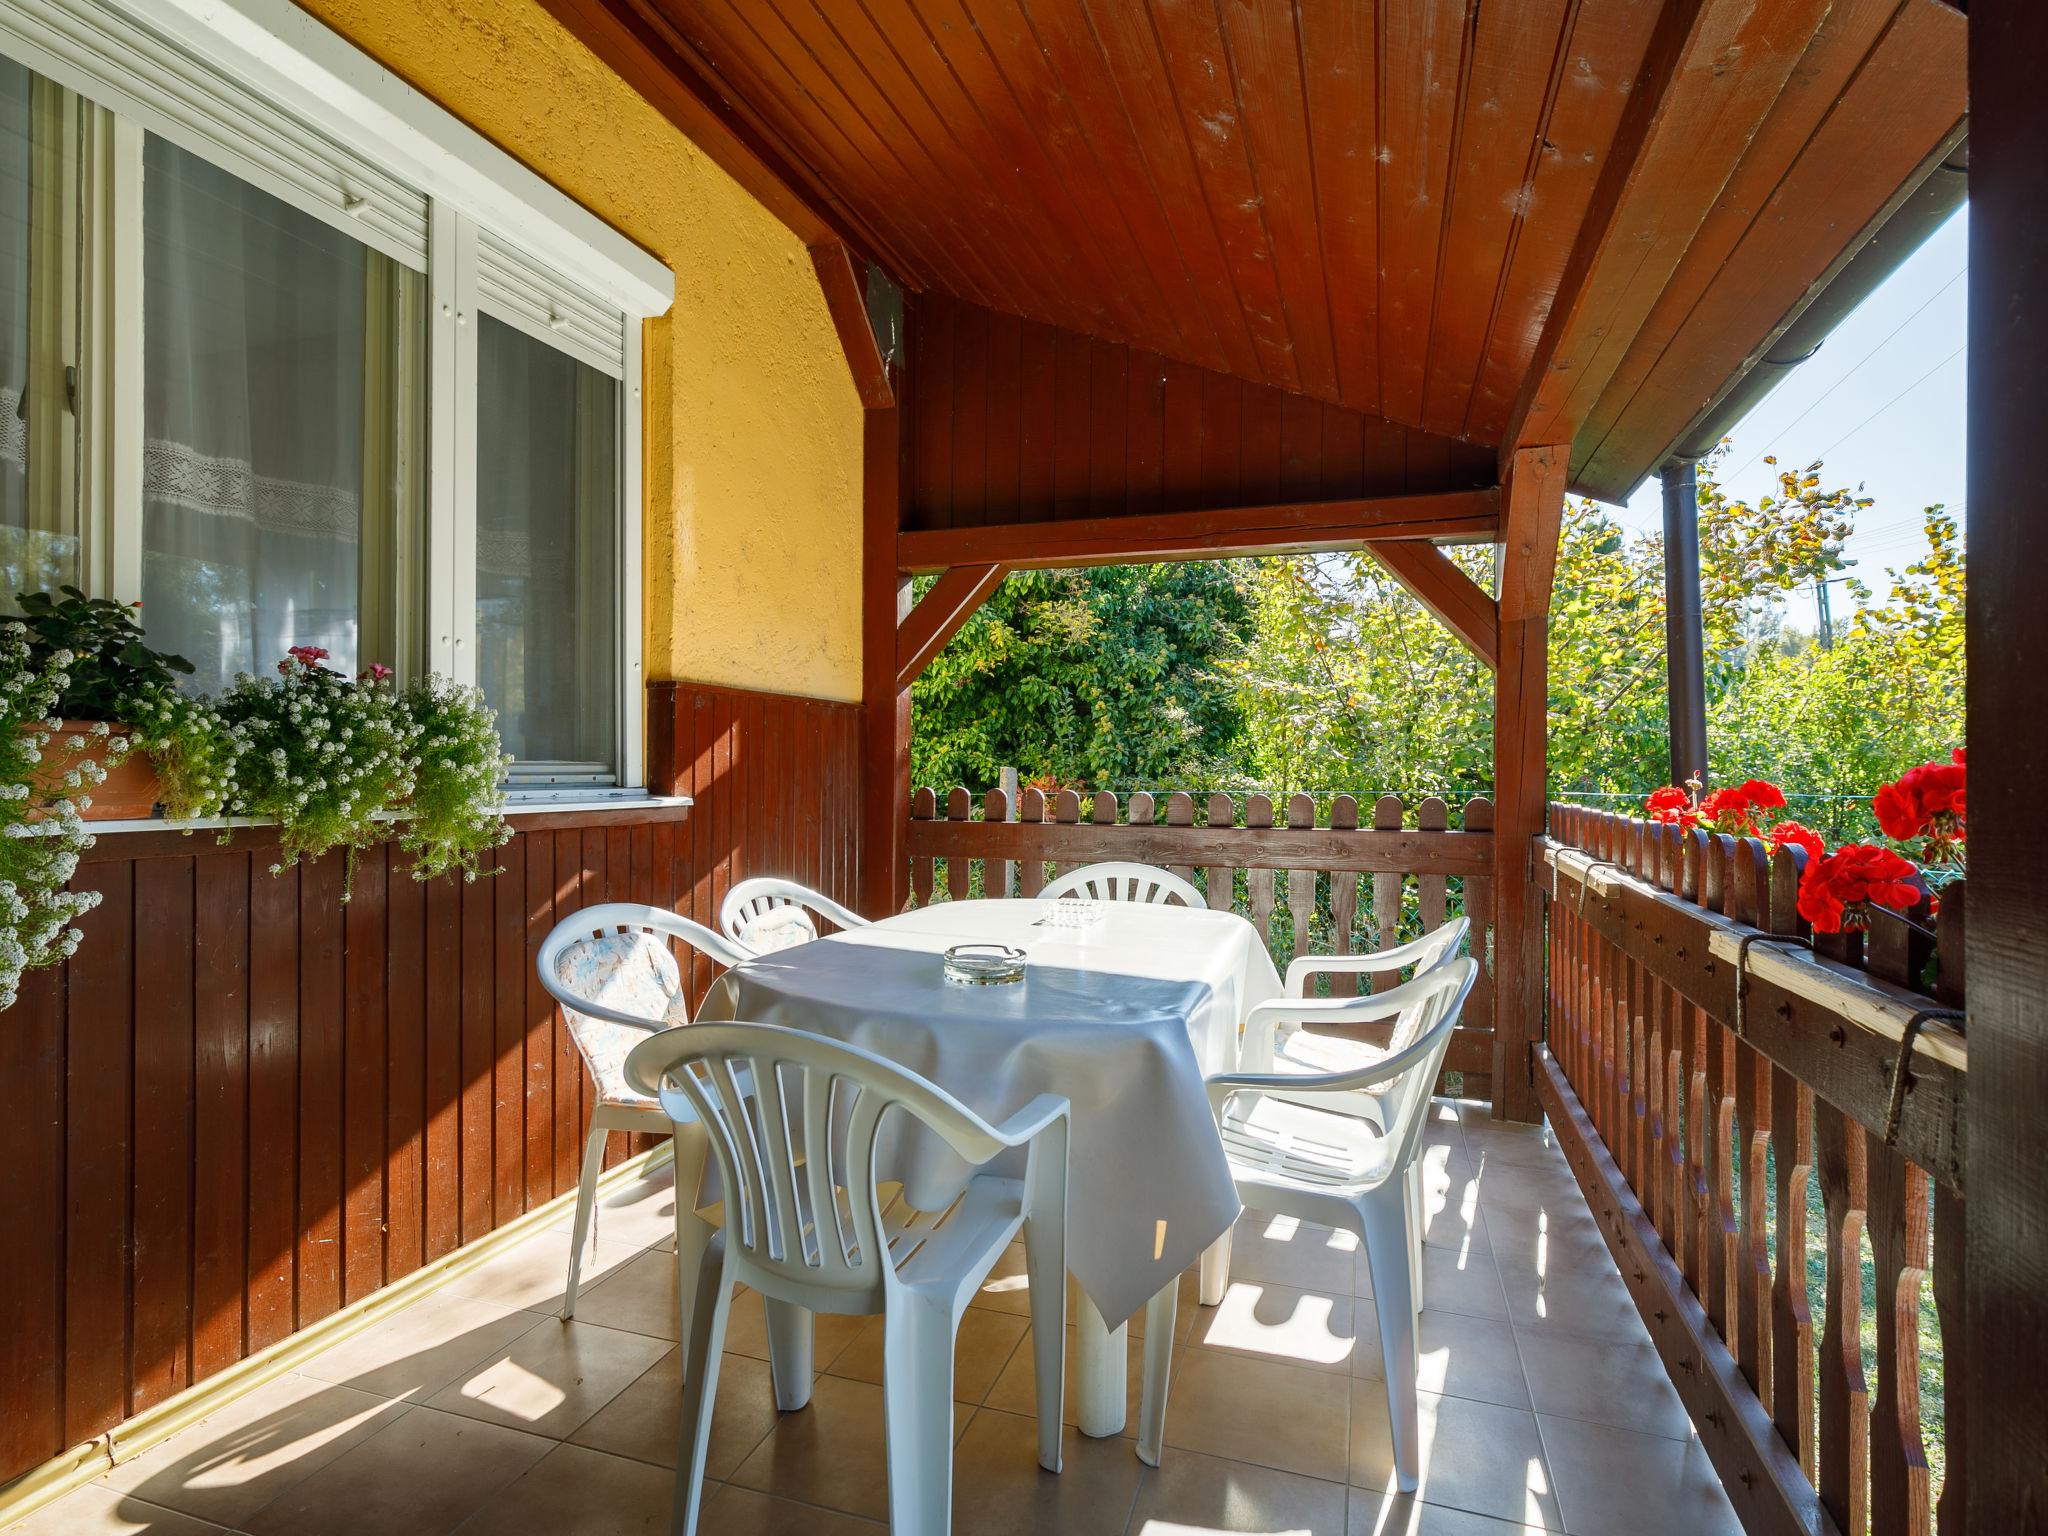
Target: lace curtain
261	527
15	149
546	556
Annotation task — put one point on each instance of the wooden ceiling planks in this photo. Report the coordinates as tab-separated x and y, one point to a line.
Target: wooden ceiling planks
1545	221
1901	109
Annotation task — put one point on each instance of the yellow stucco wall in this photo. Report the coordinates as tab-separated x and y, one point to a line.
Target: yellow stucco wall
753	428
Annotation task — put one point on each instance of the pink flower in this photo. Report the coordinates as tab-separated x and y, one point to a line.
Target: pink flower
376	672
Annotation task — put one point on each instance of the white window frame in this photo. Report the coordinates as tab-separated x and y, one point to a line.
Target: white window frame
269	93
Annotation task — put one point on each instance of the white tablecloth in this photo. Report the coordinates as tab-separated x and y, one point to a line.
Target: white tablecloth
1123	1019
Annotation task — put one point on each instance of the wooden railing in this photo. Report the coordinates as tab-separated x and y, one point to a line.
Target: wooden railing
1731	1102
1297	880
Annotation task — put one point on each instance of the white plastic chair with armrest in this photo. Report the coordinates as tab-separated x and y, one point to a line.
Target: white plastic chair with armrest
1350	1170
792	1121
1425	954
765	914
610	968
1124	882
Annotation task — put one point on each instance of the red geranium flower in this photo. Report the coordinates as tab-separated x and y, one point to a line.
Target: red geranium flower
307	656
1734	809
1672	805
1790	834
1837	891
1929	801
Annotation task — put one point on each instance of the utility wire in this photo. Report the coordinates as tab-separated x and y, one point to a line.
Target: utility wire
1895	399
1850	372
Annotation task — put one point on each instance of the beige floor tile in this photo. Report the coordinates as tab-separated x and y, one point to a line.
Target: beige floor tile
578	1492
1280	1416
1378	1513
236	1460
96	1510
1461	1282
742	1512
1522	1186
1614	1483
981	1349
1543	1242
1279	1322
1478	1457
1454	1220
1016	1389
1500	1142
1471	1357
644	1421
1279	1250
1207	1493
1589	1303
1006	1289
534	1274
640	1214
551	1379
1624	1385
831	1453
639	1297
1366	1357
421	1476
746	1331
999	1489
417	1351
1479	1112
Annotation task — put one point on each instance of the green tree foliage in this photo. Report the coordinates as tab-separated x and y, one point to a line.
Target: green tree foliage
1321	673
1090	677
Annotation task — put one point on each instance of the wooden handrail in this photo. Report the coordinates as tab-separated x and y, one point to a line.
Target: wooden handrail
1712	1071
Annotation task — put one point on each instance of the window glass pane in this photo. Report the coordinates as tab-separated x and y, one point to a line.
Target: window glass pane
547	514
282	421
38	334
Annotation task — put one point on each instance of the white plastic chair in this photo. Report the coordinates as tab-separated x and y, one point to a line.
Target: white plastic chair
1350	1170
792	1121
1274	1041
610	968
1124	882
765	914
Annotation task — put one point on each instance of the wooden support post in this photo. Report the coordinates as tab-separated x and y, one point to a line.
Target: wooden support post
885	592
1533	512
2005	1274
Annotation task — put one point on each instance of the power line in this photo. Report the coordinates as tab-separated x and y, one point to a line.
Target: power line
1895	399
1850	372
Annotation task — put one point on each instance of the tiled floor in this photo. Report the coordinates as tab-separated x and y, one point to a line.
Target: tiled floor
1544	1407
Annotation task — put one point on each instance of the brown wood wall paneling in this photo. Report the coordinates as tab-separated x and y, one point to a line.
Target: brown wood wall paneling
245	1103
1012	421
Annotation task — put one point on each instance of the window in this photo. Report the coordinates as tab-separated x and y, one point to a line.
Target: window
296	359
283	398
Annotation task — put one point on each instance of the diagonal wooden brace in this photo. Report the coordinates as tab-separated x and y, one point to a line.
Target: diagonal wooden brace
938	616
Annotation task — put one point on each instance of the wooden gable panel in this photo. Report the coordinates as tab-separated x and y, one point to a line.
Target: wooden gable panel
1014	422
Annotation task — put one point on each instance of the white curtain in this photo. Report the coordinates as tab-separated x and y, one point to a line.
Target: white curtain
546	556
253	412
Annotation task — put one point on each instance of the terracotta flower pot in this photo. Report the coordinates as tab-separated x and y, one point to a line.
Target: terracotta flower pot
130	791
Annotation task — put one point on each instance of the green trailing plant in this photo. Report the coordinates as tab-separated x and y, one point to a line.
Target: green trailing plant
41	835
453	819
111	672
197	752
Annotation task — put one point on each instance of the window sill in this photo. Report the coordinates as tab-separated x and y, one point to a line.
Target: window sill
157	836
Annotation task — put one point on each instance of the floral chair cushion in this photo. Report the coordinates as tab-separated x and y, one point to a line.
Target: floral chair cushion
782	927
630	973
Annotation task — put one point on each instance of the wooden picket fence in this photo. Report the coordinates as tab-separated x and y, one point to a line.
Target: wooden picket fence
1295	871
1709	1076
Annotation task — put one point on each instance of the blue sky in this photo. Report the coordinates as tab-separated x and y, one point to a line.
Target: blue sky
1881	403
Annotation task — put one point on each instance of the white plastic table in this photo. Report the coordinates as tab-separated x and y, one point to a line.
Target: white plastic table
1122	1018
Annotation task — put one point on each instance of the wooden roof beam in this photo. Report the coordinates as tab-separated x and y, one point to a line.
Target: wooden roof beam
1437	582
841	275
939	615
1712	72
1471	517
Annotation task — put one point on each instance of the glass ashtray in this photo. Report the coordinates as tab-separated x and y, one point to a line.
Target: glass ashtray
984	965
1070	912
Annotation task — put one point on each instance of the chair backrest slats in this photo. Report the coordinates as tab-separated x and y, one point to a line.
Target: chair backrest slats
1124	882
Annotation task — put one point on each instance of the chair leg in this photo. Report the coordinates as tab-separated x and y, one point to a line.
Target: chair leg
1416	1212
917	1392
1045	1266
1160	1317
702	1344
586	1211
789	1352
1386	1252
1216	1270
693	1232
